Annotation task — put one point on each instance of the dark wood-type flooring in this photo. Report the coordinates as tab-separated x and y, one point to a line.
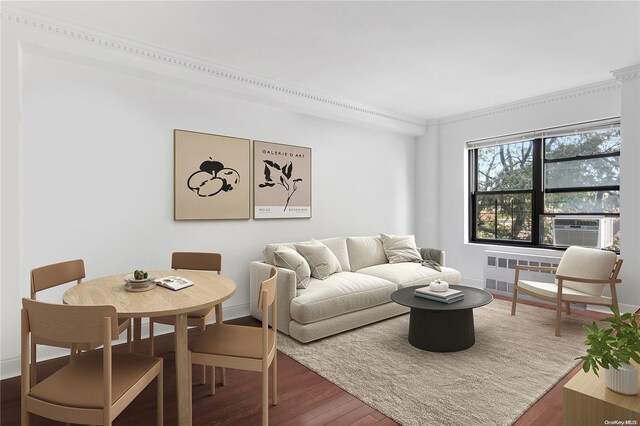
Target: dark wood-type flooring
304	397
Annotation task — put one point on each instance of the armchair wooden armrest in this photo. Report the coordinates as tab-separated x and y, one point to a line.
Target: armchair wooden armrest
587	280
536	268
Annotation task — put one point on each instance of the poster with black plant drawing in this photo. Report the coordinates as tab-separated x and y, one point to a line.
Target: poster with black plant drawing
281	181
211	176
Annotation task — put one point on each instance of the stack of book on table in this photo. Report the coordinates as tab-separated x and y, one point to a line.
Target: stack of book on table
448	296
173	283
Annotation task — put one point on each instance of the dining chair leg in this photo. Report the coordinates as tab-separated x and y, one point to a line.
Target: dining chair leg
568	307
151	338
160	395
190	368
32	367
137	334
265	395
129	339
203	380
274	379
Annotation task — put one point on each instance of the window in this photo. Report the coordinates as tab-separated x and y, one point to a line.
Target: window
520	191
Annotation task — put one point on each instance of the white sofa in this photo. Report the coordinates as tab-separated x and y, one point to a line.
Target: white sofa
357	296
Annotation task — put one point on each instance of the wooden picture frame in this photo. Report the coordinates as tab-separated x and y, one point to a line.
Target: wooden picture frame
211	176
281	181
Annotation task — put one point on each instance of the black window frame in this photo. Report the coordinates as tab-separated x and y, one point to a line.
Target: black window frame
537	192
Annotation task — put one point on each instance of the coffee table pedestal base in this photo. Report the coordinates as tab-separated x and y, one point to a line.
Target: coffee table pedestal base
441	331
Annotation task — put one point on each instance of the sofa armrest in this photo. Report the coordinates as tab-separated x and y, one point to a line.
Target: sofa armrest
433	254
285	291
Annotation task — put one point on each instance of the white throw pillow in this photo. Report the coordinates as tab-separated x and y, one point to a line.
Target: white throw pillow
320	259
365	252
338	246
400	248
287	258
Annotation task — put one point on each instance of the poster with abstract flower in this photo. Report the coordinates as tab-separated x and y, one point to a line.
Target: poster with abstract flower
281	181
211	176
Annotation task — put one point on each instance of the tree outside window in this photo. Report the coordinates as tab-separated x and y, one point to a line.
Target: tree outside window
518	188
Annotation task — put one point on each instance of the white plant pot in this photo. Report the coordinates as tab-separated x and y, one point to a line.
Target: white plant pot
624	380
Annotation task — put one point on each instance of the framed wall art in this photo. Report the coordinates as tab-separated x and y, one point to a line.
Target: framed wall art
281	181
211	176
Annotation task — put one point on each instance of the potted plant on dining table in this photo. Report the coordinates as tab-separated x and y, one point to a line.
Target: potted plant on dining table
614	348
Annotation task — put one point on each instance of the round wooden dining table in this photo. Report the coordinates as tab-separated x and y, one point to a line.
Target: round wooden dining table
207	291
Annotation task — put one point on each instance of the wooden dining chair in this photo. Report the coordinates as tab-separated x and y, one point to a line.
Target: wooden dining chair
245	348
53	275
581	277
199	262
97	385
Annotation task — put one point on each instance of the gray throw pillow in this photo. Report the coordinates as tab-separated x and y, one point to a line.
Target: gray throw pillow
287	258
400	248
320	259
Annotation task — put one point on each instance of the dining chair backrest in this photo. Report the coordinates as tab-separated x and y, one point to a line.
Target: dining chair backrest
69	323
56	274
197	261
94	387
268	294
588	263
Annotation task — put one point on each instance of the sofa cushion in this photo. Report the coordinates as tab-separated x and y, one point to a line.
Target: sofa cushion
320	259
287	258
338	246
408	274
339	294
400	248
270	249
365	251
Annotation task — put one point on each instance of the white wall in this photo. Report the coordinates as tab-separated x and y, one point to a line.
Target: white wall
95	178
582	104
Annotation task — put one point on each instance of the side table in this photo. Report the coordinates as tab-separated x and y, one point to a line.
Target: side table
588	401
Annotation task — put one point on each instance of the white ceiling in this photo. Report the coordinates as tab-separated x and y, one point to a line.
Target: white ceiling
419	59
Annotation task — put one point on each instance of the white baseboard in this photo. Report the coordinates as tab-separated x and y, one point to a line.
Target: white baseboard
11	367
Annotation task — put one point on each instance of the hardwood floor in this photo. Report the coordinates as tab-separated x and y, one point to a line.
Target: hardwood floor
304	397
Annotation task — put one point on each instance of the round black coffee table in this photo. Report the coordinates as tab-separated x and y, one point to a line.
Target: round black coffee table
440	327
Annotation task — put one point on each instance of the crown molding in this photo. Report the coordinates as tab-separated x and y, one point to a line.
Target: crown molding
564	95
626	74
260	86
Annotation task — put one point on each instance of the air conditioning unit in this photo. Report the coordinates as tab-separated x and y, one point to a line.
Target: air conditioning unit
596	232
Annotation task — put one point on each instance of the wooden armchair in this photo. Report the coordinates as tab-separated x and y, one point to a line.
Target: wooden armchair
49	276
96	386
581	277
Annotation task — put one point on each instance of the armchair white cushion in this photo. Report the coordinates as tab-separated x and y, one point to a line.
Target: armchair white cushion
586	263
581	277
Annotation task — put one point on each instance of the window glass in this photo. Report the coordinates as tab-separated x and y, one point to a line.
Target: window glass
505	167
588	143
504	217
582	202
580	173
576	175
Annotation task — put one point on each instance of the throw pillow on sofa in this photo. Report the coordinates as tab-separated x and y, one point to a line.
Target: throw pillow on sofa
321	260
288	258
365	252
400	248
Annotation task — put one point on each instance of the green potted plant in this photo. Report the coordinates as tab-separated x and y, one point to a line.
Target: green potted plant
612	349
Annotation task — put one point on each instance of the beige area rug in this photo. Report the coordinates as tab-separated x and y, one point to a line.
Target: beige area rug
514	361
